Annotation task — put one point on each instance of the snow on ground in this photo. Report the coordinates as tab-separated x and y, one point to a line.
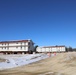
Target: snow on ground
19	60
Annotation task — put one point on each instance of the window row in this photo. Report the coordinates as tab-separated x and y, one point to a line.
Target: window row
16	43
12	48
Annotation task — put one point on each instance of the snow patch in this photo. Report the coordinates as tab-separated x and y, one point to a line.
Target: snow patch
15	61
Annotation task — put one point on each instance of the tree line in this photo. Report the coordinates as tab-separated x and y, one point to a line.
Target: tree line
70	49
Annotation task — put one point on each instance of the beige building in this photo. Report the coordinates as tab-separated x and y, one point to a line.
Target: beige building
51	49
17	46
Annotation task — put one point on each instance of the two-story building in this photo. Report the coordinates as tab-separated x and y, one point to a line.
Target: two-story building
17	46
47	49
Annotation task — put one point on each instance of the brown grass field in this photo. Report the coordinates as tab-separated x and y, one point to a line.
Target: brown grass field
61	64
2	60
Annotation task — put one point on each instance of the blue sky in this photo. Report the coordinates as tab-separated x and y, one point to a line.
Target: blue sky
46	22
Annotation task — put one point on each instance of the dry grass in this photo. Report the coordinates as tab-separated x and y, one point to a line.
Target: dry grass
2	60
62	64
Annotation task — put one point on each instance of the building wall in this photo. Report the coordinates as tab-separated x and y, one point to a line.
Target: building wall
51	49
31	46
17	46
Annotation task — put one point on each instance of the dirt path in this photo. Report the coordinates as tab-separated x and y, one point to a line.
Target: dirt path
61	64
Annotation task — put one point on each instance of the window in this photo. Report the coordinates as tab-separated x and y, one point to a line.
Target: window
25	43
7	47
29	43
21	43
32	43
29	47
17	43
21	47
16	47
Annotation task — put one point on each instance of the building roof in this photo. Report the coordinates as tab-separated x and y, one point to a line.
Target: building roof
15	41
53	46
